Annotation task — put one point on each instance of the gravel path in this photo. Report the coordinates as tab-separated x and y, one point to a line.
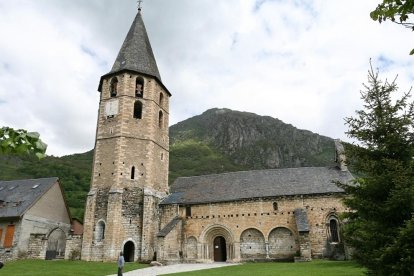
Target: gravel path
161	270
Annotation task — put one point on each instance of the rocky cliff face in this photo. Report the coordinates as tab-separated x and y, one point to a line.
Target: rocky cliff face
254	141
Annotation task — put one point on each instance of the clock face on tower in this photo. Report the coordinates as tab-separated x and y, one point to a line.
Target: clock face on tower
111	108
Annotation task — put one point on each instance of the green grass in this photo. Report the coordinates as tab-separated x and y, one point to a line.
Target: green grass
63	268
314	268
66	268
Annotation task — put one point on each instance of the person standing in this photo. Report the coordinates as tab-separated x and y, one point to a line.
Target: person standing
121	263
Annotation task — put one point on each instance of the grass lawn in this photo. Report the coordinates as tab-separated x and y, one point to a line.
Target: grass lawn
63	268
314	268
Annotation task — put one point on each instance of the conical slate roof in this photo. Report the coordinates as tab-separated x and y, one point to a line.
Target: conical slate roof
136	52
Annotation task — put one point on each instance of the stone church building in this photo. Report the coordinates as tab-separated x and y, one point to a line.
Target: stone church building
249	215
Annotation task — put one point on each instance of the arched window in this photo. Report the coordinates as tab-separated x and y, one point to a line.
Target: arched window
275	207
139	88
333	229
160	119
114	87
138	110
161	98
100	231
133	172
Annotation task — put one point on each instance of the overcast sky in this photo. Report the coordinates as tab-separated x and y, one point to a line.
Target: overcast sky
303	62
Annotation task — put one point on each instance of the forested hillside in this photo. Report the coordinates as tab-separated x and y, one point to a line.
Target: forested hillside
74	172
219	140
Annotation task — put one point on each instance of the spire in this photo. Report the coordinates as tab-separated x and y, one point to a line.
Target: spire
136	52
139	5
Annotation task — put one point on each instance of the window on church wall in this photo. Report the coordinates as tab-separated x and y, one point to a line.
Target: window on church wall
139	88
275	206
188	211
133	172
138	110
161	99
100	231
333	229
113	89
160	119
8	239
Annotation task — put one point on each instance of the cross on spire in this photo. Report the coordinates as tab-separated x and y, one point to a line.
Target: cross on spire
139	2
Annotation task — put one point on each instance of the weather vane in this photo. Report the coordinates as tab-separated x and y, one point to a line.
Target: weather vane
139	2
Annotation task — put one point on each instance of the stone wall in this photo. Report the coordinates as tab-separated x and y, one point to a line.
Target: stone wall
169	248
252	244
6	254
73	247
272	227
37	246
31	236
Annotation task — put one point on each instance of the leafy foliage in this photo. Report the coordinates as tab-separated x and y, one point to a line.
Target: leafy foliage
397	11
21	142
383	199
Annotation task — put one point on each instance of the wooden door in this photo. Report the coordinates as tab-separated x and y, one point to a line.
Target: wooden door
220	254
8	239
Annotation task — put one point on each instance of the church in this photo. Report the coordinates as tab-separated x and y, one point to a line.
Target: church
276	214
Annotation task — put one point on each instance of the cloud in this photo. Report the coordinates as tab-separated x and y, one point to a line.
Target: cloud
300	61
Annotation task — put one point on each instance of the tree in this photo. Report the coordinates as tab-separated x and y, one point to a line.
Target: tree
21	142
397	11
382	198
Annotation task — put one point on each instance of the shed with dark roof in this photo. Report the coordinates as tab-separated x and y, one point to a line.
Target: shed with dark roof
17	196
32	210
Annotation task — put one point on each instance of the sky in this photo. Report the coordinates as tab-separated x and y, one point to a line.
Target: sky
301	61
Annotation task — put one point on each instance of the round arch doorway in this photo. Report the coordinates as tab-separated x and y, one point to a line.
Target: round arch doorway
129	251
220	252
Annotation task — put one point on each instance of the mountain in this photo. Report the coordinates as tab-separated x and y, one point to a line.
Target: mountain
242	140
219	140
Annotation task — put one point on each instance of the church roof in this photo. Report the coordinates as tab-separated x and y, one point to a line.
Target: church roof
169	227
17	196
136	52
256	184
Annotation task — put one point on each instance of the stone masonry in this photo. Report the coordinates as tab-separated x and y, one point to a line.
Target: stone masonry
128	206
253	229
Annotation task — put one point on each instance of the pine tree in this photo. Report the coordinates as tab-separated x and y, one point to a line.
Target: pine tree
382	198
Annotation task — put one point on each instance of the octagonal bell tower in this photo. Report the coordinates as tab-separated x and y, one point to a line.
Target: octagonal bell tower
130	167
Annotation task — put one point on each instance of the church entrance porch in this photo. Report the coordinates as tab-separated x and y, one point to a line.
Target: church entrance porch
129	251
220	252
216	244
